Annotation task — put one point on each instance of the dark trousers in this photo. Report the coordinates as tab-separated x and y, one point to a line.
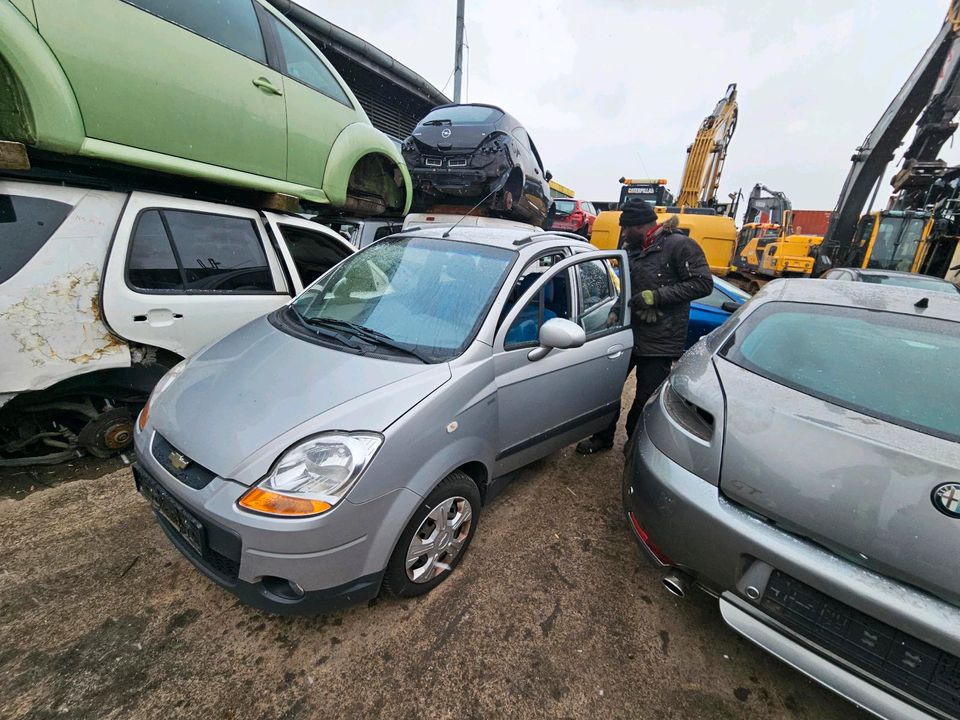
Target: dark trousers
651	371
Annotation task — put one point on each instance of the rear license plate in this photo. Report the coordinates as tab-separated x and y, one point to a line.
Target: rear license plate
181	519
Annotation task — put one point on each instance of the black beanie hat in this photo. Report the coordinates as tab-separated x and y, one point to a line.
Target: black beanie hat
637	212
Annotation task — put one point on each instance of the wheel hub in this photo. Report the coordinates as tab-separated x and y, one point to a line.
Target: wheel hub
439	539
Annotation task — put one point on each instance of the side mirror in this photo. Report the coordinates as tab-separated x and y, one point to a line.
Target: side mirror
730	306
548	175
557	334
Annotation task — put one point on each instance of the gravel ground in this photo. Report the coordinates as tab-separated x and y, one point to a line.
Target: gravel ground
551	614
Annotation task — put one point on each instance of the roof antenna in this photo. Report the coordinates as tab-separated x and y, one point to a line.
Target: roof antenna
922	303
447	233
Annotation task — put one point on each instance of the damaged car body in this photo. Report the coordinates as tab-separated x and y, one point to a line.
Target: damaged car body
102	292
471	154
801	465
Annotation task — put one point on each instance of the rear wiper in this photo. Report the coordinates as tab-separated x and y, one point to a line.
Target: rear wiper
438	122
314	327
374	336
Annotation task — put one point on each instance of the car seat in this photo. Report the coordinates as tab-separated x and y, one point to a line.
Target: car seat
526	328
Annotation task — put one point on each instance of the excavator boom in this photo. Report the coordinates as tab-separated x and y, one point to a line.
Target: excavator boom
705	157
877	150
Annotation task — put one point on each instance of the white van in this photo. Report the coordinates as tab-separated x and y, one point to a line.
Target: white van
101	292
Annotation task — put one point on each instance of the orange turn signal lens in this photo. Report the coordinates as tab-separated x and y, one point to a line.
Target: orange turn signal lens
144	416
271	503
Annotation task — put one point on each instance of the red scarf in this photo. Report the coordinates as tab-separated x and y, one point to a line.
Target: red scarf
650	236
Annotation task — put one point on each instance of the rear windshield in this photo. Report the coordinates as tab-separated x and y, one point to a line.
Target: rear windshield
26	223
564	207
919	282
463	115
899	368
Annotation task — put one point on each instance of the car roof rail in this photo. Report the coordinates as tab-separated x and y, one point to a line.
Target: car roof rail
544	234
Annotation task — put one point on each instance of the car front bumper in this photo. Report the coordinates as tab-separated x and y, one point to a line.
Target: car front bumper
881	626
282	565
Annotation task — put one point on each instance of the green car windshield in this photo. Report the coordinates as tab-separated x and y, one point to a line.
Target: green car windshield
419	296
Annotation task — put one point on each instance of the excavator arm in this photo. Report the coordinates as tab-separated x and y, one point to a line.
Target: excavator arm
877	150
705	157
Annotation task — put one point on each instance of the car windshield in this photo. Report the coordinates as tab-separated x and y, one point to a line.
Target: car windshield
918	282
425	295
899	368
463	115
564	207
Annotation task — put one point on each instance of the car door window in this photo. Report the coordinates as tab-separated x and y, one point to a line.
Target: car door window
152	264
302	64
313	253
536	154
197	252
600	309
553	300
231	23
715	299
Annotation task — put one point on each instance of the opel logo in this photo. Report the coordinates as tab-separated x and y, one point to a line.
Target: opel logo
946	499
178	460
445	133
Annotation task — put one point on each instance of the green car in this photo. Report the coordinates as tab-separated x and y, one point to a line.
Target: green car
227	91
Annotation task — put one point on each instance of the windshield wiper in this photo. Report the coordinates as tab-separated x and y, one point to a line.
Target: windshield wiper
373	336
315	327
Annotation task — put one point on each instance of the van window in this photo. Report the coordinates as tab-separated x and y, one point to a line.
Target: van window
152	264
301	63
231	23
197	252
26	223
313	253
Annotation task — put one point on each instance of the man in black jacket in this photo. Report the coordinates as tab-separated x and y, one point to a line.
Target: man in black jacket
667	271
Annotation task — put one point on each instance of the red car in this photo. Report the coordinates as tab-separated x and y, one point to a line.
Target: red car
573	216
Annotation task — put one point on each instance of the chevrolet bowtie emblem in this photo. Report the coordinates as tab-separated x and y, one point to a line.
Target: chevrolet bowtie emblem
178	460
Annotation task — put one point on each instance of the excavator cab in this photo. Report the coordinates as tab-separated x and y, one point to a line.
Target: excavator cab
890	240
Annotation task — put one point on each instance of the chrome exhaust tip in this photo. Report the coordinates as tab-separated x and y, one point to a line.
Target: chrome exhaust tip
677	583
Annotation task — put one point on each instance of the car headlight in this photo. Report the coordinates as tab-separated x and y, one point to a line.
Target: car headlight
312	477
164	383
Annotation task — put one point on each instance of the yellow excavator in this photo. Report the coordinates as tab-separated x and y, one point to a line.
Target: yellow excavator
918	230
709	222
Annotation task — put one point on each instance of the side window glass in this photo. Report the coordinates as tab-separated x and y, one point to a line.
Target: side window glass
715	299
152	264
600	305
533	149
552	301
313	254
219	253
26	223
231	23
302	64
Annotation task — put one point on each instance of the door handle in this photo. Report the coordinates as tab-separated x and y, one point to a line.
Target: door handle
267	86
614	351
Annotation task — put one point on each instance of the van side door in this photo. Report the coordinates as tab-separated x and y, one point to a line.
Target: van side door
183	273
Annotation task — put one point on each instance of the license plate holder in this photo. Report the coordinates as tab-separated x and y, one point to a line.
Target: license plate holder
186	525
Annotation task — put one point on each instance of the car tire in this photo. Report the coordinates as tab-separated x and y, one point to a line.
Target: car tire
422	558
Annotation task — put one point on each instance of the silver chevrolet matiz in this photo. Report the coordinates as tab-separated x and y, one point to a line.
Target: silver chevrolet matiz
347	441
802	463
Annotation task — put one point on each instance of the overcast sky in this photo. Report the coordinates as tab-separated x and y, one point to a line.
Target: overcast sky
619	87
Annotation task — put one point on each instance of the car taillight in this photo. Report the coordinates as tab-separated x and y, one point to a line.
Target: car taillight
647	542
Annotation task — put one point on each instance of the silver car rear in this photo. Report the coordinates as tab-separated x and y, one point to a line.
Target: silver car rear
802	464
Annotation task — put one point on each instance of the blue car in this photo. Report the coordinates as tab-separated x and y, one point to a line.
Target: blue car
713	310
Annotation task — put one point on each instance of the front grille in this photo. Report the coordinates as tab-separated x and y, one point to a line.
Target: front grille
918	669
193	475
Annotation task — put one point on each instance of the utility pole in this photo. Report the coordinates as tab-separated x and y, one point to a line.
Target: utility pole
458	53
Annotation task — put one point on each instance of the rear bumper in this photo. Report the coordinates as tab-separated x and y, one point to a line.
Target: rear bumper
733	554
